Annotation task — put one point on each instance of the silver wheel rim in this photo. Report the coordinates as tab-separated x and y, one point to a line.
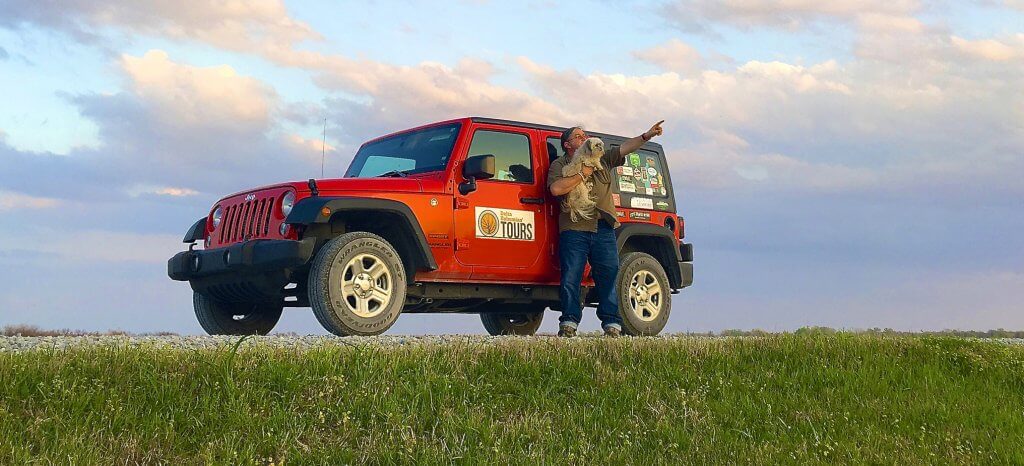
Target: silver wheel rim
645	295
366	285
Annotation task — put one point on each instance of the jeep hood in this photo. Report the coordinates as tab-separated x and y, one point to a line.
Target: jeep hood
336	186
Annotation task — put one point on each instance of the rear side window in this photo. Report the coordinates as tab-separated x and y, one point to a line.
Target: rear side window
511	151
642	175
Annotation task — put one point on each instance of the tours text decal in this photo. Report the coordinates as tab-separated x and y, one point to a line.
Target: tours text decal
492	222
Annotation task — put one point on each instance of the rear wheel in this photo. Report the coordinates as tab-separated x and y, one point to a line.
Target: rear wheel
644	294
513	319
219	318
357	285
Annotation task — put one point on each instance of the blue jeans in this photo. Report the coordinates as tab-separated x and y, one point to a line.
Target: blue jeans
575	248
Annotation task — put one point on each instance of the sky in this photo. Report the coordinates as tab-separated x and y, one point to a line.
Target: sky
846	164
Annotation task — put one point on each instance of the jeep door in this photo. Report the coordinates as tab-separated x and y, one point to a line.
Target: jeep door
500	228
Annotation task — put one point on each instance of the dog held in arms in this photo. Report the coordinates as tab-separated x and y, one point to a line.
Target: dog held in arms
579	202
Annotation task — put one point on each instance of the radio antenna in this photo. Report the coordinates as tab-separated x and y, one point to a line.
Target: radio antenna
323	149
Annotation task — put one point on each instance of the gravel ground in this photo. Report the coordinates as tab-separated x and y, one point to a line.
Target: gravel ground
185	342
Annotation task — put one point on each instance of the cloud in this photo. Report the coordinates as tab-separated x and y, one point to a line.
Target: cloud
176	131
3	54
15	201
194	96
705	15
241	26
1011	48
142	189
674	55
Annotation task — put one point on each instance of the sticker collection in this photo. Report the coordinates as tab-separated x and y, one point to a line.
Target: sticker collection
640	175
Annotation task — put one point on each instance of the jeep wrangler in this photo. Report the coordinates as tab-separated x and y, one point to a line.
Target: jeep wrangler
452	216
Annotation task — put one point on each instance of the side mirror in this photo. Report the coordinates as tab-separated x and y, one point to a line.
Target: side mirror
476	167
480	167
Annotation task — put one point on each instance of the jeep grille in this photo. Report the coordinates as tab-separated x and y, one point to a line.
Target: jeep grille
249	219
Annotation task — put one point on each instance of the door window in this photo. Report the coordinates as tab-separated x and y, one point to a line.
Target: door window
511	151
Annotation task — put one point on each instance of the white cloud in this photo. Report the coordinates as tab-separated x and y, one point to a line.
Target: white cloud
10	201
247	26
192	96
703	15
141	189
992	49
674	55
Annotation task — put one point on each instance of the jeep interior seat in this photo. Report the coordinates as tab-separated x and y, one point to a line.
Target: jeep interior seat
552	152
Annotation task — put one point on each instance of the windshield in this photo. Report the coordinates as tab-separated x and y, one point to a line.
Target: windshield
403	154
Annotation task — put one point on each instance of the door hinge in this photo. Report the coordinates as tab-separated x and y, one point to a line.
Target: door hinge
461	245
461	203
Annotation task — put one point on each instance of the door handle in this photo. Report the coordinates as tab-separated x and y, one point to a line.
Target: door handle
531	200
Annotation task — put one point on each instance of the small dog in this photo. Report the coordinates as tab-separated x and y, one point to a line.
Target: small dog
579	201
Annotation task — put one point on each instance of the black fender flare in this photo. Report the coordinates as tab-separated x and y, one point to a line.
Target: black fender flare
308	211
197	232
666	243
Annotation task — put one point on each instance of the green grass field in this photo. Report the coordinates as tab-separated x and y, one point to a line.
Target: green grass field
786	398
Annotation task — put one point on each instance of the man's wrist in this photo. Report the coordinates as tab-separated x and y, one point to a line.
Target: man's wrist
645	137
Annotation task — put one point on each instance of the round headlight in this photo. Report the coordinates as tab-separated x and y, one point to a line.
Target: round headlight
287	202
217	215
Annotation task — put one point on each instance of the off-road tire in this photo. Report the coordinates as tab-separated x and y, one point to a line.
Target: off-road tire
639	319
219	318
513	319
340	313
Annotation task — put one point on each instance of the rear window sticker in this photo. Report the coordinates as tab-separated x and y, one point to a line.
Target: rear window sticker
663	192
641	203
626	171
652	171
650	192
615	199
640	215
661	205
626	186
634	159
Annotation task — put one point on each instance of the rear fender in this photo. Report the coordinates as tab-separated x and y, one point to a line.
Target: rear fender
655	240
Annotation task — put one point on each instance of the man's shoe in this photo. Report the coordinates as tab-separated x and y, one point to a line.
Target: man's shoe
566	331
612	332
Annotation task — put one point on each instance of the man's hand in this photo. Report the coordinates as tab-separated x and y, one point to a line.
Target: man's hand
587	170
654	131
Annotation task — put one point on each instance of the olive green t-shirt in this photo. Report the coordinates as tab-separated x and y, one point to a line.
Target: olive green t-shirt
600	190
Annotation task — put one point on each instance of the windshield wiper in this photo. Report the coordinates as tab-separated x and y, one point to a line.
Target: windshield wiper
401	173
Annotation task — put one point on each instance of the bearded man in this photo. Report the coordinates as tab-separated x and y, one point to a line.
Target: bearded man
590	239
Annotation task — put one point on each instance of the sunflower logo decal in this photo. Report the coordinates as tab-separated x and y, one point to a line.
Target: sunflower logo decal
488	222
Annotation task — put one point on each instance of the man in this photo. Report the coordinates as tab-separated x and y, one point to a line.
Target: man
592	239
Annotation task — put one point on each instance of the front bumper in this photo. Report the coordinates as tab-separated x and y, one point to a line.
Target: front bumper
248	257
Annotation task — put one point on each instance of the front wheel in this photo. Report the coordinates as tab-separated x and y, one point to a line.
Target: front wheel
219	318
644	294
512	319
357	285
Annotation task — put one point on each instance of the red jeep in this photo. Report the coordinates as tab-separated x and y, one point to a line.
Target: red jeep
449	217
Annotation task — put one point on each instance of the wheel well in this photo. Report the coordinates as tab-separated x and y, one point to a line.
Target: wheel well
659	248
389	225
